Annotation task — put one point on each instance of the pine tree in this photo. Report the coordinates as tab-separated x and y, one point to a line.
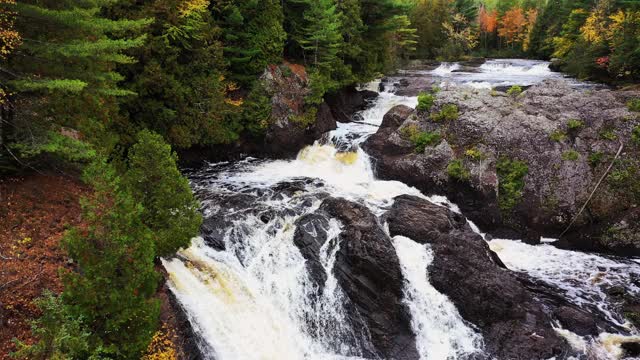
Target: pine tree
154	181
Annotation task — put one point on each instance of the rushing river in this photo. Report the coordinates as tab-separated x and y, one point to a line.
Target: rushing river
251	296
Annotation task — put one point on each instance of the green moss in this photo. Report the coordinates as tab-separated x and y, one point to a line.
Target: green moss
425	101
449	112
456	170
421	139
634	105
558	136
511	175
514	91
635	135
493	93
570	155
305	119
574	124
608	134
595	158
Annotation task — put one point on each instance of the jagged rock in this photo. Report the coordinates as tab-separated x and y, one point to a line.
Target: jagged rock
513	322
564	163
287	133
368	270
346	102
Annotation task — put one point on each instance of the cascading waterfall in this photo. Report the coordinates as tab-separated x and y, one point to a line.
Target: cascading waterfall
252	297
440	330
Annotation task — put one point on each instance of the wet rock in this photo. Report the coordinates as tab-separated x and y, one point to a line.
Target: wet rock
348	101
368	270
563	160
288	85
579	322
513	323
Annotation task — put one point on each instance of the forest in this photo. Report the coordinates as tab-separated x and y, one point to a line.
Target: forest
110	89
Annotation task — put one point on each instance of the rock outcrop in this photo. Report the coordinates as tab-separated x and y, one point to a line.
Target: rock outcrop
367	269
524	165
345	103
514	324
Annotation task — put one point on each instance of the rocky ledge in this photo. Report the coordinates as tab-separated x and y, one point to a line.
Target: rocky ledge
523	165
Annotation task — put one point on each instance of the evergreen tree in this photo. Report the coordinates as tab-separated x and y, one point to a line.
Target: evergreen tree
154	181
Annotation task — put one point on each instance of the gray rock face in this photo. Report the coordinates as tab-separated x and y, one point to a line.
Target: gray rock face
566	138
514	324
367	269
345	103
287	134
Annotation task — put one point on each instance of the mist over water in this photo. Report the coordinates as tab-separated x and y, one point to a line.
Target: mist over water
255	298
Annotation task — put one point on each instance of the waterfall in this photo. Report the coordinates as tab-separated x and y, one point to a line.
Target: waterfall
252	296
440	330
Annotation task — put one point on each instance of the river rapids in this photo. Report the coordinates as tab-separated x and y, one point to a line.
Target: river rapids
252	297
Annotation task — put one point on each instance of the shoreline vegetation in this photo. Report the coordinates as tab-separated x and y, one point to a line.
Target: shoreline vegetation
98	96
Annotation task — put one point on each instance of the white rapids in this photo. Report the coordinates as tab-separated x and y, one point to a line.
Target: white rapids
256	300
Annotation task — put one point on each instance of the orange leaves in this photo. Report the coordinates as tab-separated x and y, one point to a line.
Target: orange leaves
488	20
512	25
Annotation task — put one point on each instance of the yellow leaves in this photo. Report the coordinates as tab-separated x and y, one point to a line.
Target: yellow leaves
233	102
161	346
189	7
594	29
9	38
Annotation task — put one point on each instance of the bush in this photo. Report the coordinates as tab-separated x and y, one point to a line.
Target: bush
634	105
449	112
425	101
475	154
558	136
456	170
169	208
574	124
514	91
608	134
595	158
511	175
421	139
635	135
570	155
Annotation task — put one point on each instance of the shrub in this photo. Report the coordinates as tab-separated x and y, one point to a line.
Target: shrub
634	105
153	178
574	124
514	91
570	155
635	135
456	170
475	154
425	101
595	158
558	136
608	134
511	175
424	139
449	112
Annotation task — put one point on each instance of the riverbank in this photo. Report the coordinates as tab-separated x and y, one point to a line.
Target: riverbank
35	212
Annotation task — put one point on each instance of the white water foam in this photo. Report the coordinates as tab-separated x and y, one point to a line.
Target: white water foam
441	332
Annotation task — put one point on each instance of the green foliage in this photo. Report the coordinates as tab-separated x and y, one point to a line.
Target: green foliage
63	147
634	105
514	91
154	181
113	289
635	135
596	158
570	155
425	101
60	334
456	170
423	139
558	136
574	124
449	112
608	134
475	154
511	176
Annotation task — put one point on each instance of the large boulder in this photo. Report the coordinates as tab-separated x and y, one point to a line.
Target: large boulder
346	102
293	124
368	270
514	324
523	166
